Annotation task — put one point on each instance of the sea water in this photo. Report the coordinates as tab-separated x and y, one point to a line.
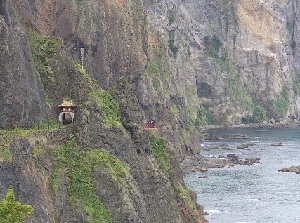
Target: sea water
256	193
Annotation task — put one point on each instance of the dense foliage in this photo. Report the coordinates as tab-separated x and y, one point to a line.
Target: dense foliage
13	211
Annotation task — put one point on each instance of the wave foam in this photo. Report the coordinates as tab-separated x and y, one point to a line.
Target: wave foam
213	211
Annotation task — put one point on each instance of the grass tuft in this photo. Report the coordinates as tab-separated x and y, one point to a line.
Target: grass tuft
160	149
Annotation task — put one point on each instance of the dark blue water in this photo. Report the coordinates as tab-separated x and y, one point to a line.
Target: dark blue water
257	193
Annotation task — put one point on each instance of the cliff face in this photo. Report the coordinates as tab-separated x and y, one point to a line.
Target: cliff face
244	55
105	167
21	96
183	63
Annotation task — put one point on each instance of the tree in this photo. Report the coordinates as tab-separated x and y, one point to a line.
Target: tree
13	211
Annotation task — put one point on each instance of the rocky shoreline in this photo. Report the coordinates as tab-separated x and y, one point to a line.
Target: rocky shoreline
295	169
270	124
198	162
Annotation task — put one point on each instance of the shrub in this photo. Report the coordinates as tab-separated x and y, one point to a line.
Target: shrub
13	211
154	67
236	91
91	80
174	110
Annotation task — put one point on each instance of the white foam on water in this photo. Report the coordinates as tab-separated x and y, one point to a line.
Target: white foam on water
245	222
254	199
213	211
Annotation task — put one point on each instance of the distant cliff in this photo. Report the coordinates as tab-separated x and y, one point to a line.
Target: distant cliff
243	54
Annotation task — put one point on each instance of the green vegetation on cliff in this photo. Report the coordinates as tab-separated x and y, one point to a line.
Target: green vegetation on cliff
118	171
160	150
153	70
92	81
171	43
204	116
233	81
13	211
5	140
237	92
186	196
212	45
296	84
44	49
78	165
71	161
45	53
35	130
281	105
81	2
225	6
259	113
109	107
171	16
174	110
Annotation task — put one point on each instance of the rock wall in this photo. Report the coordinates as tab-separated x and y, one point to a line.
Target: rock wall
183	63
21	97
243	54
105	167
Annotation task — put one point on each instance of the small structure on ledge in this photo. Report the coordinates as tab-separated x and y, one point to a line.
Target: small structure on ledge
150	125
66	115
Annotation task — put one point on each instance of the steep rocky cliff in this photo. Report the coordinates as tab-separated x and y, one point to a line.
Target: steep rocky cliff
244	55
107	58
183	63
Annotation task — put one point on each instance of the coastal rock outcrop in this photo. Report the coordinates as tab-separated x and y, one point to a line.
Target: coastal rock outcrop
295	169
200	163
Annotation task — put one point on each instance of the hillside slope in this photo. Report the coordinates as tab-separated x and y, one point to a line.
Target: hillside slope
184	63
105	167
